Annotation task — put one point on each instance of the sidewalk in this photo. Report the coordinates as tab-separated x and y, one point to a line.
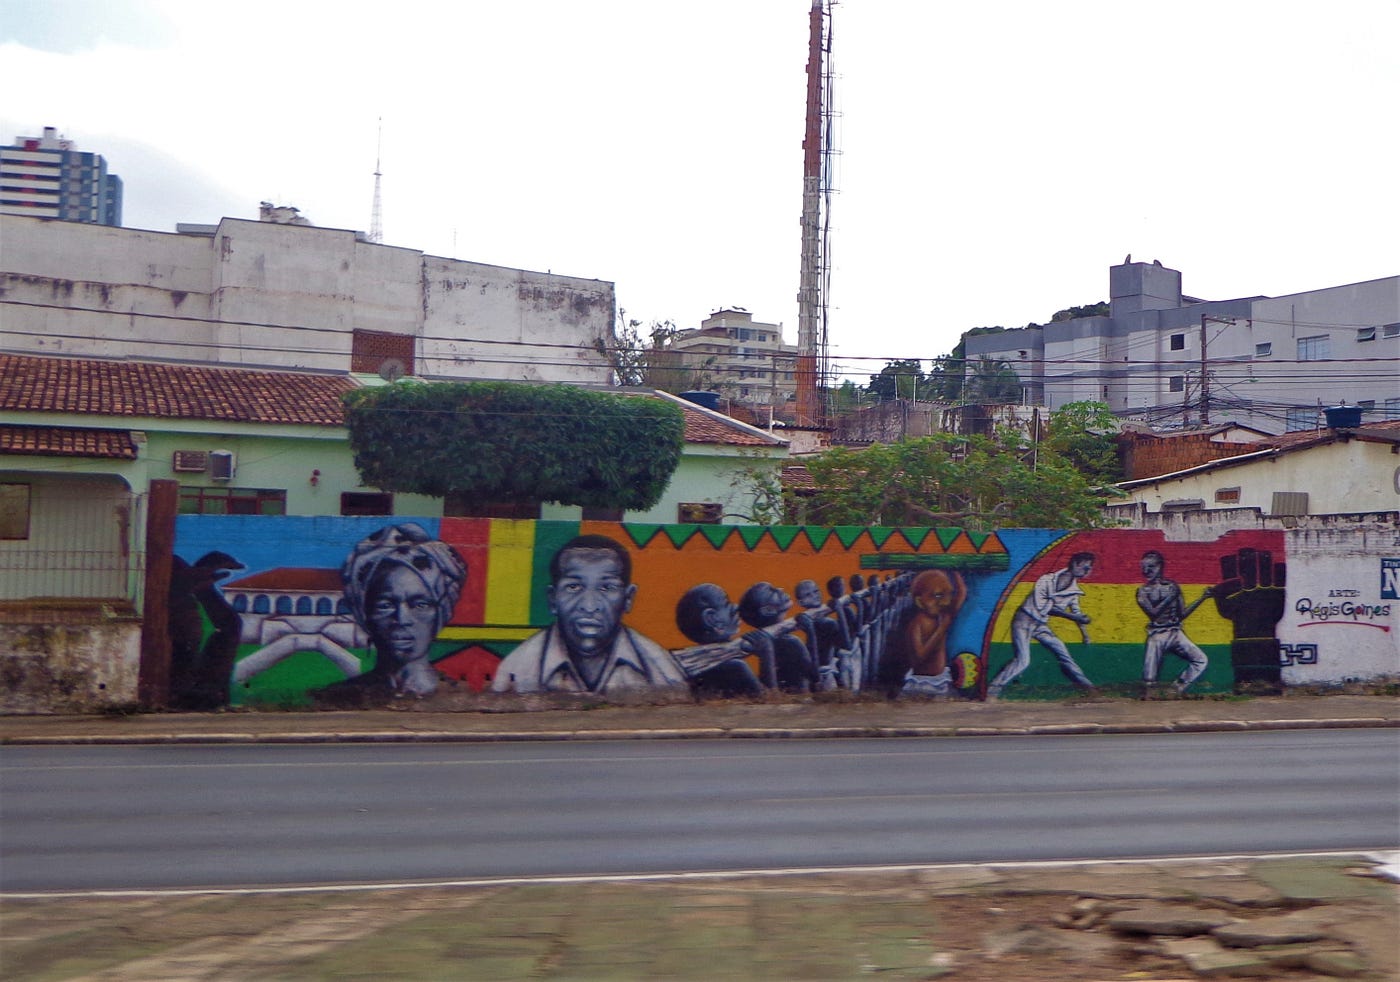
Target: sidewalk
1302	918
780	718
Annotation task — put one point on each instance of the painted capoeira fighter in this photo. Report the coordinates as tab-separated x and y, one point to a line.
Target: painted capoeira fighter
1054	595
1161	600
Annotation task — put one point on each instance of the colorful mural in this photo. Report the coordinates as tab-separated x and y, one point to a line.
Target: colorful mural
355	612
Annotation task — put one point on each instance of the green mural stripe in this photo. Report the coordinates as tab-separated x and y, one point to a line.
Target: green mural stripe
817	536
717	534
880	534
848	534
915	537
964	561
947	536
784	535
641	534
751	534
679	534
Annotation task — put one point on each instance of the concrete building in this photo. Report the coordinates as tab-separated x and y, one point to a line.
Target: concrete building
282	294
1345	470
1270	362
47	177
744	359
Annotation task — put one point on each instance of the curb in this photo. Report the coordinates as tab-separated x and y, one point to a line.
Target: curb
707	733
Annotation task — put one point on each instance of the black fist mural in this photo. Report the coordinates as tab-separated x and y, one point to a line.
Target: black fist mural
1250	596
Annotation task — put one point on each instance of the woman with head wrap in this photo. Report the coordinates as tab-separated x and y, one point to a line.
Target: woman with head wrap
401	586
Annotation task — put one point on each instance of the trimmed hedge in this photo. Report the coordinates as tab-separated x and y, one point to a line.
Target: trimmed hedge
508	441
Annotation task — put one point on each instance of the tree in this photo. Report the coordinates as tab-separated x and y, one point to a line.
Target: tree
514	442
992	380
945	480
901	378
1083	434
1100	309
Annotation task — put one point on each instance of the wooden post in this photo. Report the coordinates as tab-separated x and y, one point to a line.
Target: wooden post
153	678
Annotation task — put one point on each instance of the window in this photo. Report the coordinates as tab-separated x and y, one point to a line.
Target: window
1177	383
366	503
1263	349
1315	348
1366	405
375	352
14	511
1365	334
699	513
459	505
1392	408
232	501
1178	342
1390	330
1304	418
1292	503
1228	495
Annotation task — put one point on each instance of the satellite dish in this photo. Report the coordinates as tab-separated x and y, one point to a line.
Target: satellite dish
391	369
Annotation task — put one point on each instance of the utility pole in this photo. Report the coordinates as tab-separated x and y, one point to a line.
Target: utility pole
1205	372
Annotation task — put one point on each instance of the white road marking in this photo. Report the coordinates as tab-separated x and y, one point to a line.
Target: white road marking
1371	856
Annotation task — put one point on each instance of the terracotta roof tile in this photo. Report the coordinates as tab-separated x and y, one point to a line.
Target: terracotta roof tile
145	389
701	427
66	441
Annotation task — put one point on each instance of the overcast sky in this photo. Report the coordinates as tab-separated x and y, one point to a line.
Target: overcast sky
996	158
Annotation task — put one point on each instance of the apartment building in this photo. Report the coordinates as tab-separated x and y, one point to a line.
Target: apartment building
46	176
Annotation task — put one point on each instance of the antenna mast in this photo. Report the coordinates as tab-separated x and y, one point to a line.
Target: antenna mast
376	218
815	279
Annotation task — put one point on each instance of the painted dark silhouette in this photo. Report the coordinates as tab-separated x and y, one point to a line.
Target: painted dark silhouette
201	667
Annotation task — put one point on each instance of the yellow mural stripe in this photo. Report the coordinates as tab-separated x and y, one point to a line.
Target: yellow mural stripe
485	633
1117	619
509	571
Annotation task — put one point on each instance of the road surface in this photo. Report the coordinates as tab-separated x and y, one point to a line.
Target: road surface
185	816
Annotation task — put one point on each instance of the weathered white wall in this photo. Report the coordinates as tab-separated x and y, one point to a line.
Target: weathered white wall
1340	478
82	662
289	296
1342	620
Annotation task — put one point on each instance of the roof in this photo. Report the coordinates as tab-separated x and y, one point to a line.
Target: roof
67	441
1386	433
708	426
165	391
291	579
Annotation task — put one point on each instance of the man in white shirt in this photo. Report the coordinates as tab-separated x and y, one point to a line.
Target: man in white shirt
588	648
1054	595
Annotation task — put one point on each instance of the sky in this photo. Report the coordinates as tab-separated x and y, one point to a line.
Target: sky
994	158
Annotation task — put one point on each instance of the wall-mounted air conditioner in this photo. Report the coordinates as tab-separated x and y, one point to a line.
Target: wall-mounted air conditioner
222	464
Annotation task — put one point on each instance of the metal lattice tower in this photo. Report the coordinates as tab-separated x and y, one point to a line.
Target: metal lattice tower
376	218
814	284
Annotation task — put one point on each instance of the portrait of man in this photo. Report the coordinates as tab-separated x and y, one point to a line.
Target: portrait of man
588	648
401	586
1054	595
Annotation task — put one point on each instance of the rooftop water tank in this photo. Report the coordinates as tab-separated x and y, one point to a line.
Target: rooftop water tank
1342	417
710	400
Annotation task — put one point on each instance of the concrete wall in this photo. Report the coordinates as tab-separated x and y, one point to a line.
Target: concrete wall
289	296
70	659
941	617
1345	477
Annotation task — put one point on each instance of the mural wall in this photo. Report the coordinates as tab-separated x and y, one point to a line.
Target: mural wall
357	612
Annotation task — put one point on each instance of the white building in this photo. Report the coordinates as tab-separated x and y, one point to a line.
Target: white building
1269	362
743	358
274	294
48	177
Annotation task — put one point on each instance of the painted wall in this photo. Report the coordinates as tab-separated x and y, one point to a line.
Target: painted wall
299	610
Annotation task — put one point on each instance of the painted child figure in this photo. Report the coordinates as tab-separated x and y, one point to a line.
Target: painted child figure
936	597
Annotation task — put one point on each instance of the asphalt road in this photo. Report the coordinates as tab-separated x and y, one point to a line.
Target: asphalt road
164	816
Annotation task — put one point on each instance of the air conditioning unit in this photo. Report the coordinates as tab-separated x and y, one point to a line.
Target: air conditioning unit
222	464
